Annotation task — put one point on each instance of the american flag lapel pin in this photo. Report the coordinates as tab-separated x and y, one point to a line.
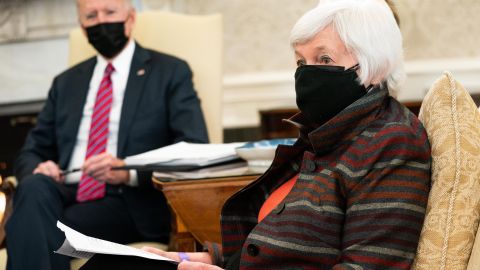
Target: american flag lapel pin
141	72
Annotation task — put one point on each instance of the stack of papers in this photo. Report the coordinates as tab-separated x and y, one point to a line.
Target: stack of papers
224	170
185	155
81	246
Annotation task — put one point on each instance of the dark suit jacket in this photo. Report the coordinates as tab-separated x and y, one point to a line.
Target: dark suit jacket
160	108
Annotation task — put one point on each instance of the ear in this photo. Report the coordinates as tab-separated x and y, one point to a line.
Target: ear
375	82
84	31
130	23
378	80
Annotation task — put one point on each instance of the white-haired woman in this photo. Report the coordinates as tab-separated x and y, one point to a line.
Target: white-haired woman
351	193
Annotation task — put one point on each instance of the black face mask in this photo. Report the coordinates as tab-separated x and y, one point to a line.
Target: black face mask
107	38
324	91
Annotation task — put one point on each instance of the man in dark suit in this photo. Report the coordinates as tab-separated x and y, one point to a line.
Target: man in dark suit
125	101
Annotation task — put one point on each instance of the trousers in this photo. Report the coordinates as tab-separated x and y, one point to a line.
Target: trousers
39	202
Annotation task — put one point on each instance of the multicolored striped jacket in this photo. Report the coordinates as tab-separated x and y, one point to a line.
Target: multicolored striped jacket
359	201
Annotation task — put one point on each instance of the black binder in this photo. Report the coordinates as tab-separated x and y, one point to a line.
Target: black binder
120	262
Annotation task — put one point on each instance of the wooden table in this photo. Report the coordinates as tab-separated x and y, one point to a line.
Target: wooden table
196	206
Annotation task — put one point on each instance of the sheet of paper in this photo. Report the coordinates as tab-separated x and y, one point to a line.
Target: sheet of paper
233	169
185	153
67	250
81	246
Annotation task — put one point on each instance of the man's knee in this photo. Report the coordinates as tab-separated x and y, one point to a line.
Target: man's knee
37	187
36	199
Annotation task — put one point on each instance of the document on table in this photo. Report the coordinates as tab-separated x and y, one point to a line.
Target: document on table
225	170
81	246
183	153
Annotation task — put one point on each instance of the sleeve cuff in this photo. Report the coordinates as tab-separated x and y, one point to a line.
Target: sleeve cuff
215	251
133	181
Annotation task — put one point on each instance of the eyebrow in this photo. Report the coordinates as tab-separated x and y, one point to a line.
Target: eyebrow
319	49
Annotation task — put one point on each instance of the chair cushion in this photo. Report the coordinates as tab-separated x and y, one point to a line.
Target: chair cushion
452	122
474	262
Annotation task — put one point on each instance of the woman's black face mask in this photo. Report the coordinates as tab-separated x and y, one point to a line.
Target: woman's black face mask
107	38
324	91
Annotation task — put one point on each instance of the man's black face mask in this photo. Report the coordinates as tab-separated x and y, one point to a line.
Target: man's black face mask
324	91
107	38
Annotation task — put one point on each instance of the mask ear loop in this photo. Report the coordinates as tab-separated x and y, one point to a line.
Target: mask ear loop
354	67
357	67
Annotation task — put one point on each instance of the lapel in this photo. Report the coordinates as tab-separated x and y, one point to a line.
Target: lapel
139	71
77	98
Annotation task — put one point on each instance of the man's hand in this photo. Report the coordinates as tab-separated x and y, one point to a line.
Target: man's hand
51	169
99	167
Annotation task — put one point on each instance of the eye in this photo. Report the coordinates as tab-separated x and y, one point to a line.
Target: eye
300	62
325	60
91	16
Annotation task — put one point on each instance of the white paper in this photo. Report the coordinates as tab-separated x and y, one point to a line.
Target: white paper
231	169
81	246
183	153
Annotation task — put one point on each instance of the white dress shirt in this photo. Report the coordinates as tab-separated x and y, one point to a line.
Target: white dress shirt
119	77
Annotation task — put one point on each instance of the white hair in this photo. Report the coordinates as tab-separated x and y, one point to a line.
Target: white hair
369	31
127	3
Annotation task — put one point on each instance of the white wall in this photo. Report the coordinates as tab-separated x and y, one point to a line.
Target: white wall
27	68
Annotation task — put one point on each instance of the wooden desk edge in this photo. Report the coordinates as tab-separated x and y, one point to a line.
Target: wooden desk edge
195	183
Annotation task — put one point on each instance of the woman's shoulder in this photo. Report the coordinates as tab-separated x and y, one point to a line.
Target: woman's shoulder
397	126
395	117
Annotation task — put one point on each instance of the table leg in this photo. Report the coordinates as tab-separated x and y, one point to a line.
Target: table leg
180	238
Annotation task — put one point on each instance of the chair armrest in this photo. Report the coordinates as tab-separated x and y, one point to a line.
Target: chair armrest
8	185
7	188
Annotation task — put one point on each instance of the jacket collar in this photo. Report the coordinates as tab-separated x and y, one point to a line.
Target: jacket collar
78	96
344	126
139	72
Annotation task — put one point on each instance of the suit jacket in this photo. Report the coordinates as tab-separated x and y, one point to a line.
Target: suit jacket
160	107
359	201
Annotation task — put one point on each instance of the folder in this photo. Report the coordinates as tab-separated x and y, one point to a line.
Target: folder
183	156
228	169
105	261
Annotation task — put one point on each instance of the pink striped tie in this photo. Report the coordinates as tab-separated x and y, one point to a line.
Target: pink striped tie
90	189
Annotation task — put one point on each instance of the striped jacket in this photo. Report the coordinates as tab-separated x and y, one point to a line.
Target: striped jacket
359	201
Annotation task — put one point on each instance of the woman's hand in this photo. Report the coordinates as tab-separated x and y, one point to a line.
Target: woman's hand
196	266
171	255
202	257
